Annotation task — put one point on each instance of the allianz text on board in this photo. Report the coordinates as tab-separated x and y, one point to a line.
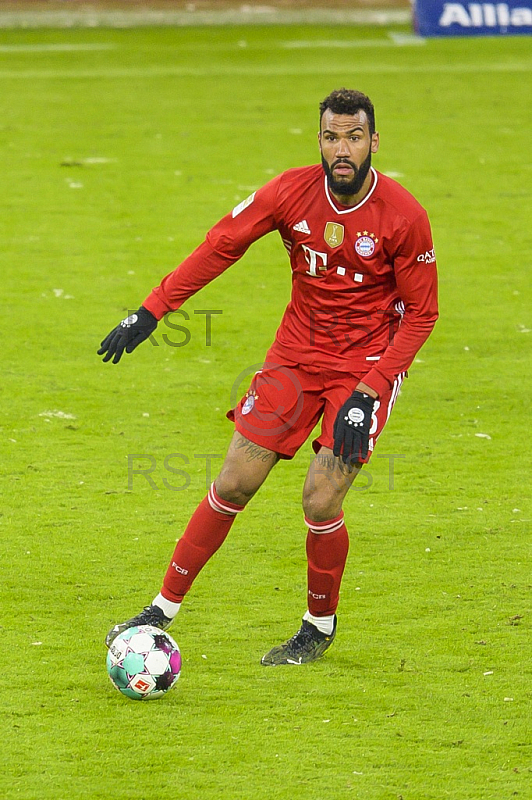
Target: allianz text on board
435	18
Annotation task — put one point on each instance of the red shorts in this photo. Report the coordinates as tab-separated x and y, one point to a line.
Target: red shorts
284	404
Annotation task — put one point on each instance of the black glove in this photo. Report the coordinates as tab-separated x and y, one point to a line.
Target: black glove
351	428
129	334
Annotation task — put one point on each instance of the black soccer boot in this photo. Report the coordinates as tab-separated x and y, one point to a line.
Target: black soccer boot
308	644
150	615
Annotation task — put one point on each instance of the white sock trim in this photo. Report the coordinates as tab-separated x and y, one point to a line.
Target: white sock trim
217	504
325	527
169	609
323	624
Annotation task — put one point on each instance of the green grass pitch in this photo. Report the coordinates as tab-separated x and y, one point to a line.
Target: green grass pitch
119	150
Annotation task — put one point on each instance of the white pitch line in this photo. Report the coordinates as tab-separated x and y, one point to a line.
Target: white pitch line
325	69
295	44
335	44
53	48
393	39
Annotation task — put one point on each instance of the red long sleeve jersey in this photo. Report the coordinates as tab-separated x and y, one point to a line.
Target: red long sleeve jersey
364	285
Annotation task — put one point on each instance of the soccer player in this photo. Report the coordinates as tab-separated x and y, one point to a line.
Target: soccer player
364	300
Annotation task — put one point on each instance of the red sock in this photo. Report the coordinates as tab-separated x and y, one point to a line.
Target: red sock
204	534
327	546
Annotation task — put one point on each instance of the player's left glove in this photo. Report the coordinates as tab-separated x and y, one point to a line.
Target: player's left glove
351	428
128	334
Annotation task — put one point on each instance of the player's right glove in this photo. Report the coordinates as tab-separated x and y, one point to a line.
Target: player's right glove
129	334
351	428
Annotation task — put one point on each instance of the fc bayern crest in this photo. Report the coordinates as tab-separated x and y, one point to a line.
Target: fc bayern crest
365	244
248	405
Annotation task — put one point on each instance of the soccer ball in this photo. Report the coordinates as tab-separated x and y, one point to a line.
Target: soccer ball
143	662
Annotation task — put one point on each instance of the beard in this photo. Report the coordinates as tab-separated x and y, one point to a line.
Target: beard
347	188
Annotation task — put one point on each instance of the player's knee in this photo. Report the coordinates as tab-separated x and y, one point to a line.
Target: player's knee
321	506
234	489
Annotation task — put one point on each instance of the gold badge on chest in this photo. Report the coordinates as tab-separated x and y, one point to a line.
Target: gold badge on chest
334	234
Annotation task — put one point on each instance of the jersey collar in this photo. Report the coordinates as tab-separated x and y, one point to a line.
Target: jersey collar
352	208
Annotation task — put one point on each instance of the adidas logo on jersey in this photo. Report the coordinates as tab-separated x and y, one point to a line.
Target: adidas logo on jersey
302	227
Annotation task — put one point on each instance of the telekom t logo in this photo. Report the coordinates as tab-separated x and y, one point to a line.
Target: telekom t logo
315	260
